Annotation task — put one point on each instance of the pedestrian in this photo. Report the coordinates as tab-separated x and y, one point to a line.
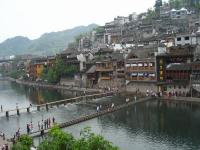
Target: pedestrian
31	126
41	126
6	147
112	106
1	108
97	108
45	124
38	125
53	120
135	98
100	107
4	136
28	128
42	132
49	122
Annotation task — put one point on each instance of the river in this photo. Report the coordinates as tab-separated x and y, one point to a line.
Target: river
148	126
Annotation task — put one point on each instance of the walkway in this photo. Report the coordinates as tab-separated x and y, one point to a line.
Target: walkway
182	99
44	85
59	102
97	114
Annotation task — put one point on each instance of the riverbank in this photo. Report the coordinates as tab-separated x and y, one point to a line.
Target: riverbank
51	86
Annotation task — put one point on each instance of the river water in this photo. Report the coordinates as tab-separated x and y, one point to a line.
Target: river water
149	126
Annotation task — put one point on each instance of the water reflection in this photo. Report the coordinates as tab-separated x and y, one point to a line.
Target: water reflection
153	125
12	93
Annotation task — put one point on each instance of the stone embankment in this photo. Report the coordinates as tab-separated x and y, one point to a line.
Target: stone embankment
50	86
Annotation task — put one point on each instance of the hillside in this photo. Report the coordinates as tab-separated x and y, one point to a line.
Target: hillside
47	44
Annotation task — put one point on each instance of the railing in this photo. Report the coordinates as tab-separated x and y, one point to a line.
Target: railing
104	69
94	115
60	102
141	79
105	78
130	69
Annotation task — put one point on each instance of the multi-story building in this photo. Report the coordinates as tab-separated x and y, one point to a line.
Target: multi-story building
178	14
167	67
188	39
35	68
140	69
141	74
113	30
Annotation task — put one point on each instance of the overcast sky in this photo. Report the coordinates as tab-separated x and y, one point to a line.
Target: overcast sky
32	18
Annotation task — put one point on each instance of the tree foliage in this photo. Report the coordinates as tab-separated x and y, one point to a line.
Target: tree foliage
23	143
189	4
59	140
60	69
157	5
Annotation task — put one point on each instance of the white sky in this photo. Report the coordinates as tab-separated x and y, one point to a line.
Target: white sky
32	18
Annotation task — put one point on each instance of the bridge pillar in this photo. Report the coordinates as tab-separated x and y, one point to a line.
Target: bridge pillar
38	108
47	107
18	112
7	113
28	109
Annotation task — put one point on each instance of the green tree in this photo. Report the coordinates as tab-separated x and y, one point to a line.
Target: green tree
52	76
57	140
157	5
23	143
60	69
90	141
175	4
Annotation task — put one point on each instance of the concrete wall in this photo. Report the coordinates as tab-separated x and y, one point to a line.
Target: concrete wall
143	87
67	81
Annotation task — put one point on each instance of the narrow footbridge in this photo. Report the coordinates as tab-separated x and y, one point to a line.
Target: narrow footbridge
94	115
57	103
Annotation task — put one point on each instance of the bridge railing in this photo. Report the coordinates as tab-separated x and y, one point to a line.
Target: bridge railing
59	102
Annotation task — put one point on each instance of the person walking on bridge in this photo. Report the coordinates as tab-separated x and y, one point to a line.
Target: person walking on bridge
53	120
38	125
28	129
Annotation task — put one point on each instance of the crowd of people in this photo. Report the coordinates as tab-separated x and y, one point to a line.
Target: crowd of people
3	146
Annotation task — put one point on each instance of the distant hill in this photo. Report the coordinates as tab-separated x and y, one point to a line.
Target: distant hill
47	44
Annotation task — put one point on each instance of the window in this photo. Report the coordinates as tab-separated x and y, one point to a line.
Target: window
187	38
140	64
133	65
140	74
178	38
152	75
134	74
128	65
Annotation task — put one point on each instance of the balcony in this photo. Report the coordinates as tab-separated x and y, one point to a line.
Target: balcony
104	69
141	78
132	69
105	78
